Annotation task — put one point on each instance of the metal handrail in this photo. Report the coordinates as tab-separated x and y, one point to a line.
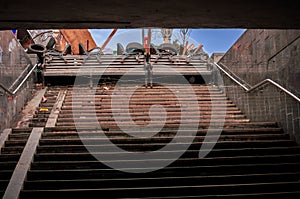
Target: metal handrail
20	76
235	76
252	88
275	84
5	89
21	84
231	77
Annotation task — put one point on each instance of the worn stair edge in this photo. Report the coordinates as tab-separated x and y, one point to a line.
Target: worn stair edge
19	175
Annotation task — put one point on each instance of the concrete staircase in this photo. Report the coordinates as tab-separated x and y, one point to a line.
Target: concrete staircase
112	65
250	159
42	113
10	153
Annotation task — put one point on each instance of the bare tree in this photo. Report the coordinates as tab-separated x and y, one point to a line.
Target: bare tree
180	38
185	34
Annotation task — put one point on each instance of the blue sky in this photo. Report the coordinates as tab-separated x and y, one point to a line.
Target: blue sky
213	40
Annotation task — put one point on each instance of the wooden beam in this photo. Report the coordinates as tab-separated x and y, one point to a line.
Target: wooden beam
198	48
109	38
185	47
19	175
191	47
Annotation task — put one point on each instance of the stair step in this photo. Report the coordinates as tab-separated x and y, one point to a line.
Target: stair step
273	195
6	174
108	173
3	184
183	123
9	157
238	126
21	130
170	190
70	114
250	159
163	181
161	139
18	136
151	147
37	124
163	132
86	156
12	150
8	165
91	109
239	160
147	98
147	118
153	140
145	106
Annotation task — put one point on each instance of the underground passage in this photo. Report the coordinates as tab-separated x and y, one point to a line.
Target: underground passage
151	118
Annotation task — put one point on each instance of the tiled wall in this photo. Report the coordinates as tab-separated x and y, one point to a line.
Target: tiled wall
261	54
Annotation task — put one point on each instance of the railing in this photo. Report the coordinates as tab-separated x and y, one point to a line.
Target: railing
16	79
21	83
257	85
231	77
262	102
15	65
275	84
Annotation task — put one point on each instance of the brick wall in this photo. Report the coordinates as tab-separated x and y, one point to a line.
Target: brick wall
260	54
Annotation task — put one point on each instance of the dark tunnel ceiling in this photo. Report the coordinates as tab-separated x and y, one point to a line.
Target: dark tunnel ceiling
37	14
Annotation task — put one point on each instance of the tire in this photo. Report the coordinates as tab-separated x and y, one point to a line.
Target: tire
120	49
51	43
169	47
192	80
36	49
153	50
82	50
67	50
134	46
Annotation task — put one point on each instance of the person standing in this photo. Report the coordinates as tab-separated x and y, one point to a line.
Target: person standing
148	70
147	60
40	69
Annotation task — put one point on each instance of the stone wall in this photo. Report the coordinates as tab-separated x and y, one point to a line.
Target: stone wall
261	54
216	57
